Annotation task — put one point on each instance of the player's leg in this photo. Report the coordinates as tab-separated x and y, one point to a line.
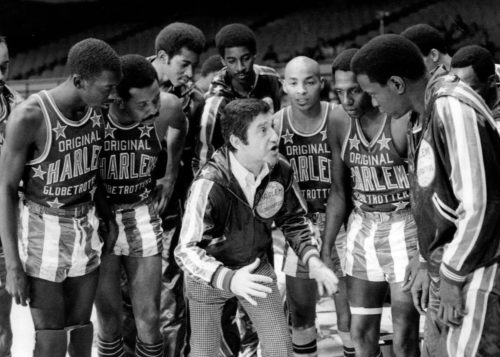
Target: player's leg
268	318
79	296
5	308
144	279
343	317
47	311
405	320
366	299
302	295
108	302
342	310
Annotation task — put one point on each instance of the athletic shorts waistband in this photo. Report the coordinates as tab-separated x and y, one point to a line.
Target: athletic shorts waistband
71	212
125	206
384	216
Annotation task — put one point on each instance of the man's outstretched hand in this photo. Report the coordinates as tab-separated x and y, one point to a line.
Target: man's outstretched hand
324	276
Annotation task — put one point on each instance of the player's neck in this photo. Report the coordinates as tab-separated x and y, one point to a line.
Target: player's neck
119	115
162	75
493	97
309	120
68	101
244	88
417	94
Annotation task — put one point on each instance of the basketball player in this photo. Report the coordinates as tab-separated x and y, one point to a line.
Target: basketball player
454	154
177	47
301	128
136	123
57	160
381	233
241	78
226	232
210	68
431	43
475	66
9	99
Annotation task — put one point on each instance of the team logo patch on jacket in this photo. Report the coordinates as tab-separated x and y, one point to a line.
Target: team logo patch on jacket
426	166
271	200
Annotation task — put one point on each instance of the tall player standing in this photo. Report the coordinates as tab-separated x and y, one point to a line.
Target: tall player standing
136	123
57	160
302	131
381	233
8	101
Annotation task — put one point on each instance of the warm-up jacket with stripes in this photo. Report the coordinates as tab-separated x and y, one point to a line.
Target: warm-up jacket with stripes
267	87
455	168
222	233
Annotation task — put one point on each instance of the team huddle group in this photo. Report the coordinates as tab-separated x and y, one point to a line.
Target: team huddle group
131	187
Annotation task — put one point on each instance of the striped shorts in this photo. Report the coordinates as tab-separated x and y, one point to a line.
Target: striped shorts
478	334
139	230
293	266
380	245
59	243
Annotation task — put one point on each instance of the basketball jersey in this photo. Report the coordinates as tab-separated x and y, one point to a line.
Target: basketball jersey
128	159
65	173
309	155
379	176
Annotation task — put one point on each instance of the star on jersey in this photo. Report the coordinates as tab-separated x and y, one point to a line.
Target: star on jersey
109	131
400	205
354	142
96	120
441	90
288	137
205	172
39	172
55	203
145	194
92	192
324	135
384	142
59	130
145	131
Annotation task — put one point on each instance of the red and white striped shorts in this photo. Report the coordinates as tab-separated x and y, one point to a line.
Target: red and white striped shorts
380	245
59	243
139	230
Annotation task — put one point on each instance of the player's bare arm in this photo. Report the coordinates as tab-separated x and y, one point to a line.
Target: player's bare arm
173	127
103	207
17	143
338	124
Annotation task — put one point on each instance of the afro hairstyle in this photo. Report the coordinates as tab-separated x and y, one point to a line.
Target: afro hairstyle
138	72
235	35
178	35
343	61
478	57
386	56
90	57
211	64
426	38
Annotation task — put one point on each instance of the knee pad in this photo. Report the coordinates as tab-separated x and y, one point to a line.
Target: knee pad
80	340
50	343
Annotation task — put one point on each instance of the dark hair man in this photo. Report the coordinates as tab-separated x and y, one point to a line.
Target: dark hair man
9	99
210	68
431	43
233	201
136	123
454	159
475	66
57	161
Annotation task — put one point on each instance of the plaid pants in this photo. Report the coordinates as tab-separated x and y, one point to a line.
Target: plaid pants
205	307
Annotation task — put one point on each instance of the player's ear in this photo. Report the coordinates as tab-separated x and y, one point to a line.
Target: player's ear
434	55
398	84
119	101
492	81
322	81
163	55
77	81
